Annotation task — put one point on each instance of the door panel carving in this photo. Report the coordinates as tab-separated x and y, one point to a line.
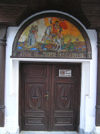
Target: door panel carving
34	94
64	96
34	121
35	72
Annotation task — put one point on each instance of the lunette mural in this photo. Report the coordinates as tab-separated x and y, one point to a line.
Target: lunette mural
51	37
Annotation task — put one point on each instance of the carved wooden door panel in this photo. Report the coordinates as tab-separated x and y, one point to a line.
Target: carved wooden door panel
49	97
34	106
65	97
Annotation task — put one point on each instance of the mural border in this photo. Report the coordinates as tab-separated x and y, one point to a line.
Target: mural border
25	54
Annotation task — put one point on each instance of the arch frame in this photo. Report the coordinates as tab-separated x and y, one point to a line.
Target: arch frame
25	54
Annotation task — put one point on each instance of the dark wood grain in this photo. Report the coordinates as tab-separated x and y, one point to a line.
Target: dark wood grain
61	111
65	97
2	71
15	12
98	83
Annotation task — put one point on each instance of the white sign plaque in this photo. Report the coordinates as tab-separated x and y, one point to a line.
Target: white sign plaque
64	73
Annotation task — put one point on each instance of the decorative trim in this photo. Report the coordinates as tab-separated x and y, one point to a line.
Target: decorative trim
98	43
97	106
2	42
3	32
2	107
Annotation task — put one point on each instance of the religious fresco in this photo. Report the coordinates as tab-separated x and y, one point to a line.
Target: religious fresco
51	37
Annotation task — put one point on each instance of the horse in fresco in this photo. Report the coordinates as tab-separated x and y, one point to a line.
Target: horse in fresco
49	36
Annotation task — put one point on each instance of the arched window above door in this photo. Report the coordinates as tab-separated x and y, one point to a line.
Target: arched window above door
52	36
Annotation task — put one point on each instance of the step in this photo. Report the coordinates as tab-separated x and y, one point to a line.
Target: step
47	132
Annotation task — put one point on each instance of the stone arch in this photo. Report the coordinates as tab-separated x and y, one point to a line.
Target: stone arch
36	38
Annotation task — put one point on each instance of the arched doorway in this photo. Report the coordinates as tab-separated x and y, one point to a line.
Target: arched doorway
71	45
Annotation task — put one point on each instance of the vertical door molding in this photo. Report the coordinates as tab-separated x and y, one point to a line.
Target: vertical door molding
98	83
3	31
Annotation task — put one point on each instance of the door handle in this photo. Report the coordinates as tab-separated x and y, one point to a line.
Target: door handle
47	95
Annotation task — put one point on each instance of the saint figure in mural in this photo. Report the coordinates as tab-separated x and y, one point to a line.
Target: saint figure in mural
56	28
32	35
53	34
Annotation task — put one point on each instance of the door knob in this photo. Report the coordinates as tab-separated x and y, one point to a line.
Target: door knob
47	95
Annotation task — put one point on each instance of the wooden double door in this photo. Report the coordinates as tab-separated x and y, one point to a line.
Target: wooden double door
49	96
